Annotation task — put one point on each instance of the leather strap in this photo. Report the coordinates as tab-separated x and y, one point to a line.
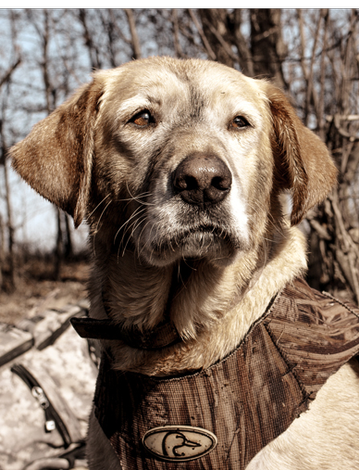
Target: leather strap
52	419
162	336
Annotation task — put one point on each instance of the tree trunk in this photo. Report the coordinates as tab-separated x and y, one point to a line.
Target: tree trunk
58	246
135	43
267	46
68	249
10	230
214	21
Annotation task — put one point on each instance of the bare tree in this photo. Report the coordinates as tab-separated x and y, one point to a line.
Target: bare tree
312	54
44	26
260	55
136	49
9	224
331	100
5	84
90	43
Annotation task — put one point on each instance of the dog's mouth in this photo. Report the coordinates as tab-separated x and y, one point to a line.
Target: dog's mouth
197	242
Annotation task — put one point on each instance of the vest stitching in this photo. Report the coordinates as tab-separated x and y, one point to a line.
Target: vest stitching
290	368
341	303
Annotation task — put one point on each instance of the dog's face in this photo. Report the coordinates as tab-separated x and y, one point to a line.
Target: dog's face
191	146
176	159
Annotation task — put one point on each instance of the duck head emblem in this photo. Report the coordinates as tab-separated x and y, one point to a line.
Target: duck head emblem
179	443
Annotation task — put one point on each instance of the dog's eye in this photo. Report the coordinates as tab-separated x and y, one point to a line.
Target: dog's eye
143	119
239	122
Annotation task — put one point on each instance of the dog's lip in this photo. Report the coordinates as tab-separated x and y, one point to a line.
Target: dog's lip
184	236
216	231
205	229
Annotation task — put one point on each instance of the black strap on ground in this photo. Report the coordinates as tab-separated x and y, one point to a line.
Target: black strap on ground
52	418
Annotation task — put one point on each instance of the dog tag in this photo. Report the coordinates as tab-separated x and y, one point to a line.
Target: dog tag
179	443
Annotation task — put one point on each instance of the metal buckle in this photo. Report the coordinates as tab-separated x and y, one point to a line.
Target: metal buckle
38	393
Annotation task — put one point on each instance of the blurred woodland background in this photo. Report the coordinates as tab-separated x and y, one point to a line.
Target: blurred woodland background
312	54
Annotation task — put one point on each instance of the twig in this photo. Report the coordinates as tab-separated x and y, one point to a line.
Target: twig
322	232
9	72
135	43
222	41
208	48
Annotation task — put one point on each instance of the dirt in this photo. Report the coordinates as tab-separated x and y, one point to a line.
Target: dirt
35	290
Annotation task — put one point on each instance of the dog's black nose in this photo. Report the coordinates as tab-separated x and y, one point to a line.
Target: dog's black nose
202	179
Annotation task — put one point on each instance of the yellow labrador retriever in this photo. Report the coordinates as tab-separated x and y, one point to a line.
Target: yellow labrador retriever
179	168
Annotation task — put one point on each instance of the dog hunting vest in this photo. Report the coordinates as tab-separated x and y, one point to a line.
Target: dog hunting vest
223	416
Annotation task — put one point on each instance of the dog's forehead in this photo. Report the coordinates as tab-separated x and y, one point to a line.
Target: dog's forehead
188	83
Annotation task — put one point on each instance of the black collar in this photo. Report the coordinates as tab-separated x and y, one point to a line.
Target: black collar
162	336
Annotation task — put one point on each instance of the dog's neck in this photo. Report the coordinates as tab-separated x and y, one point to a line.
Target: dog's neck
204	302
189	293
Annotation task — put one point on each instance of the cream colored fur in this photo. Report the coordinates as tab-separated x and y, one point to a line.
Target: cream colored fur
109	154
222	332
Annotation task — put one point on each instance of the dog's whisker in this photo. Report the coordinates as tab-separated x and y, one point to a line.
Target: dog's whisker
147	241
138	211
100	218
94	233
137	198
98	205
134	226
129	227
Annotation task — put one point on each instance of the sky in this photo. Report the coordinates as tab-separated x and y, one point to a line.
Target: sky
35	219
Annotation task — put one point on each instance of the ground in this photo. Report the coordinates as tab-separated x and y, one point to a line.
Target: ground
35	291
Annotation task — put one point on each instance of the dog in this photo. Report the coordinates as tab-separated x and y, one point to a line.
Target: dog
182	170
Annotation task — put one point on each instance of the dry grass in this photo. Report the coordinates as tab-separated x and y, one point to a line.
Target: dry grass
36	291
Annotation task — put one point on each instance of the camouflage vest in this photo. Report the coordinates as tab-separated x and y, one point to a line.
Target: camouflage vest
223	416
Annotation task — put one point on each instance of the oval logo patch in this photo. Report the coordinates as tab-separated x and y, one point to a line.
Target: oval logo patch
179	443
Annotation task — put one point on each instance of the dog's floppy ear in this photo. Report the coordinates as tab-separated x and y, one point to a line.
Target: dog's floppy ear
302	161
56	157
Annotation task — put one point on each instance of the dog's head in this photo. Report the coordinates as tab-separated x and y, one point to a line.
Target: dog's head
176	159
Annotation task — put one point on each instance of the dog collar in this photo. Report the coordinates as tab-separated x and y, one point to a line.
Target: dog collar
164	334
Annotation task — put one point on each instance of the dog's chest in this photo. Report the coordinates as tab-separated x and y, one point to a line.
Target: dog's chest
226	414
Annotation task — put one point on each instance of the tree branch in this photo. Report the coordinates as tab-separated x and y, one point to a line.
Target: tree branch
135	43
6	77
207	47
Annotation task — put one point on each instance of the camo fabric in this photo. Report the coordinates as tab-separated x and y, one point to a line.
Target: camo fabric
223	416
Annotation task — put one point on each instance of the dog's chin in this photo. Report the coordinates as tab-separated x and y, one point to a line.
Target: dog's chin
217	250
